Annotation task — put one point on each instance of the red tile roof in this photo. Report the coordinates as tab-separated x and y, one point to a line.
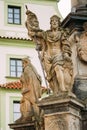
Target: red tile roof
16	85
11	85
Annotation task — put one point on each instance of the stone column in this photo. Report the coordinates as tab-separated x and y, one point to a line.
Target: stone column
74	21
62	114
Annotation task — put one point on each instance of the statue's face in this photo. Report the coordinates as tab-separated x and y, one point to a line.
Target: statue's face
54	22
24	64
35	23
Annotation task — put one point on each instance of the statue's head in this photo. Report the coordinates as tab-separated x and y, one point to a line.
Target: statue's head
25	61
55	21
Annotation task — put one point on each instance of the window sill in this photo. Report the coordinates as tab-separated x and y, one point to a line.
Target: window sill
10	77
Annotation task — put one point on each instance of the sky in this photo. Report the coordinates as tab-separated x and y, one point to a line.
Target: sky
64	7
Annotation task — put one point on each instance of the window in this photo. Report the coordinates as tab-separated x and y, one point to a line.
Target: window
16	110
14	15
15	67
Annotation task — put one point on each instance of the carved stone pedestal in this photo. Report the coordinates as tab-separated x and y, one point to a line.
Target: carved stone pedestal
22	126
62	113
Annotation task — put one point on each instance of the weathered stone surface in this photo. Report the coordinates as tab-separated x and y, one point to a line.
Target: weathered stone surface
84	119
75	21
80	88
62	113
23	126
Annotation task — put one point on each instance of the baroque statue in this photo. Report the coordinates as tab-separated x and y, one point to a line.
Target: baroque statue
31	92
54	51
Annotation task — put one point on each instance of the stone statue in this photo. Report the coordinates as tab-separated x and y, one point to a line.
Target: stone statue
54	52
31	92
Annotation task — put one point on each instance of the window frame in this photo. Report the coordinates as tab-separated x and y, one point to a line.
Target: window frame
16	112
15	66
13	7
7	61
